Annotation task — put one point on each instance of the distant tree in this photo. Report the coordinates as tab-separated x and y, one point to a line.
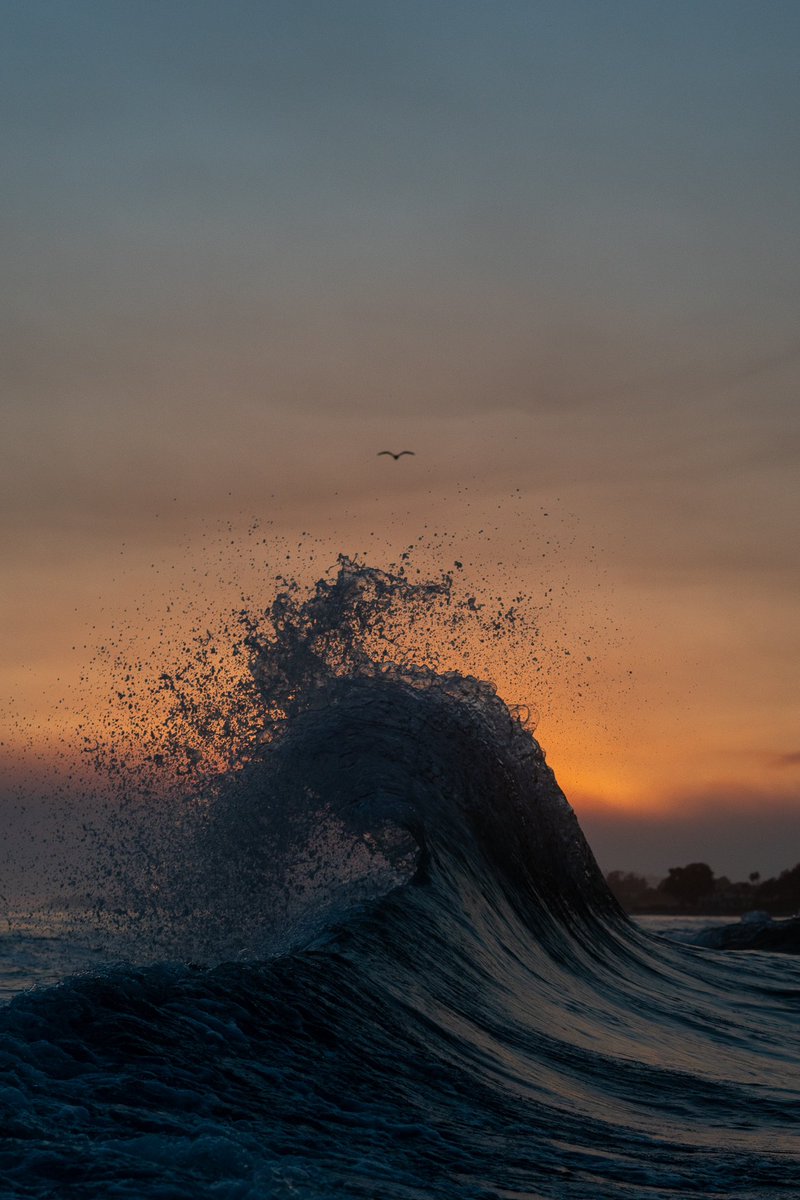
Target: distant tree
781	895
690	884
631	890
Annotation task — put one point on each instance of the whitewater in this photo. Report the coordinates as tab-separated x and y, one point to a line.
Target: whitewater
381	960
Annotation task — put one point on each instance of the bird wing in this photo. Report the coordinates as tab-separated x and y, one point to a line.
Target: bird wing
402	452
380	452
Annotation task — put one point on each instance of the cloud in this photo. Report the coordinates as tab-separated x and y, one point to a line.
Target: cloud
789	759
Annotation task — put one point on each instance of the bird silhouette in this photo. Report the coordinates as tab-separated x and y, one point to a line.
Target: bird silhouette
392	454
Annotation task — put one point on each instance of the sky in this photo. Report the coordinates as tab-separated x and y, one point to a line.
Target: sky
549	246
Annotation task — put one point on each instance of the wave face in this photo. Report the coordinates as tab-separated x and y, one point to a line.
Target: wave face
461	1009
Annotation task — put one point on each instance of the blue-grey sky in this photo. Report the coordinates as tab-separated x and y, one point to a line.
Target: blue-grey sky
554	245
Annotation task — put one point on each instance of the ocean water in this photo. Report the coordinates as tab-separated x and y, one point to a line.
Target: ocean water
378	959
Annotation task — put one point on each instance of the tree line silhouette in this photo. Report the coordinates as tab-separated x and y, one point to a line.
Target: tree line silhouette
696	889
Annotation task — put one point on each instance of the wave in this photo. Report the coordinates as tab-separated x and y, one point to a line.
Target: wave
755	931
461	1008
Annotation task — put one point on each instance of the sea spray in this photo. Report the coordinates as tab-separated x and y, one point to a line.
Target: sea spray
200	852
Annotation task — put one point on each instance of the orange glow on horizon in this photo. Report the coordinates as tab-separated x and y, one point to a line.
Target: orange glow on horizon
632	722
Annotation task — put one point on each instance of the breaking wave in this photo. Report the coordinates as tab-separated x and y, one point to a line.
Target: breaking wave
410	979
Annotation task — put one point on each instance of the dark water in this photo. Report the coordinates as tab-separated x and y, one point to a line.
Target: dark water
455	1007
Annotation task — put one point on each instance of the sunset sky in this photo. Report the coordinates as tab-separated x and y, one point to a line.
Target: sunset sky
552	247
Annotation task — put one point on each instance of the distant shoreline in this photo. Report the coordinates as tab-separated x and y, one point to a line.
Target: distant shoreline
695	891
725	914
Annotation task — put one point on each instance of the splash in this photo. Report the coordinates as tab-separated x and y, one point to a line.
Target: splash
209	845
234	684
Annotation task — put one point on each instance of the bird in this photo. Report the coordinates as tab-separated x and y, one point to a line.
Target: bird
393	455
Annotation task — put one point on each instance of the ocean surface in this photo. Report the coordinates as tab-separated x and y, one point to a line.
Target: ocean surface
385	964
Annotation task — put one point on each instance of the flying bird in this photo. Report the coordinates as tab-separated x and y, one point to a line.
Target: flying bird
393	455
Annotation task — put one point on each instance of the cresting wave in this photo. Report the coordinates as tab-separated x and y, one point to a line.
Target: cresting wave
461	1010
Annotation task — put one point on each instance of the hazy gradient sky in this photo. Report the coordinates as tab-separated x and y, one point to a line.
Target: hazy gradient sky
552	247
